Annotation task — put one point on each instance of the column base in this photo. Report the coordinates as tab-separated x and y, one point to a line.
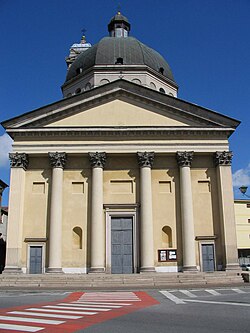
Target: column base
187	269
12	270
54	270
96	270
147	269
233	267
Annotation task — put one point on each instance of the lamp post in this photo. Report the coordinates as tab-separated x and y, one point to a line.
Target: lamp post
243	190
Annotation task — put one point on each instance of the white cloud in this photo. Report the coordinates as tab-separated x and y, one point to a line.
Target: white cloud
242	177
5	149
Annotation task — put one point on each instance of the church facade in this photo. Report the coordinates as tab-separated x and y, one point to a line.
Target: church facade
120	176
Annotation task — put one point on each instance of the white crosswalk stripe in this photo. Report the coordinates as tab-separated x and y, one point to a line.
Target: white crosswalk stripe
89	302
85	308
239	291
37	314
32	320
82	304
63	311
212	292
20	328
188	293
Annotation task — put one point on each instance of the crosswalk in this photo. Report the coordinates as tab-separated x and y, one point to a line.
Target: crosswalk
181	296
40	318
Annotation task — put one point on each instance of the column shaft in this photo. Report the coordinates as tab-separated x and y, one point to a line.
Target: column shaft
55	231
97	223
147	240
188	238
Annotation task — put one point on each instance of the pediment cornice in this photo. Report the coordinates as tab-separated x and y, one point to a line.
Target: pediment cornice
119	89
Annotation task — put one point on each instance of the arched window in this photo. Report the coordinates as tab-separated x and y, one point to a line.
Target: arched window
162	90
137	81
104	81
167	237
152	85
78	90
77	238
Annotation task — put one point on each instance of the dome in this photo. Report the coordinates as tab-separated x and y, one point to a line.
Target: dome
125	51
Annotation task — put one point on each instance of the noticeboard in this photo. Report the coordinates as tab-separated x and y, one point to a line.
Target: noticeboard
167	255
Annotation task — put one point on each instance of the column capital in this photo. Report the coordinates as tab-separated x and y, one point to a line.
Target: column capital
145	159
223	158
57	160
97	160
19	160
184	158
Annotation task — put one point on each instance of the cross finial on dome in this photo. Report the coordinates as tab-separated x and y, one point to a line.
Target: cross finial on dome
119	8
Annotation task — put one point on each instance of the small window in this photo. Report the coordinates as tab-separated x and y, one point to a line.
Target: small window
161	70
248	220
248	205
79	71
119	61
78	91
88	86
162	90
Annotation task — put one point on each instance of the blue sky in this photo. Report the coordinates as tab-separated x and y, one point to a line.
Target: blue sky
206	44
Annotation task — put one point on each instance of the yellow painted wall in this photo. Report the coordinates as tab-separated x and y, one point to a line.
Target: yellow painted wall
242	217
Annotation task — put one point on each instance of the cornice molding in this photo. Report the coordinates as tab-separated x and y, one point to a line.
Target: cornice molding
120	131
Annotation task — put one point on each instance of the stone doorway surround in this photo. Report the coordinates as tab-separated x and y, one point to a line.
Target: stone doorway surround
119	211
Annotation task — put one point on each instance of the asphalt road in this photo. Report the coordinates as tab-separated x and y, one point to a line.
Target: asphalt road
180	311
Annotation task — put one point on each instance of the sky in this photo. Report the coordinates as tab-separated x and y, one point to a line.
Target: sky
205	42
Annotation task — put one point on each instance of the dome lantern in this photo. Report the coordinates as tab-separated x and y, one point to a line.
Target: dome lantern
119	26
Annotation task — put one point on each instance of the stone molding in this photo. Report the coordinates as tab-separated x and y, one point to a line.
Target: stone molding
58	160
19	160
145	159
184	158
98	160
223	158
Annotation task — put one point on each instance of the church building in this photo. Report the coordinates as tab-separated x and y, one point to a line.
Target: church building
120	176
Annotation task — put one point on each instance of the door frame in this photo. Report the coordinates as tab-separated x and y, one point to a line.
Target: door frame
120	214
201	259
29	245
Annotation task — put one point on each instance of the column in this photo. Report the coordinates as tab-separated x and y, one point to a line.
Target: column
57	161
223	162
145	161
19	163
97	243
184	160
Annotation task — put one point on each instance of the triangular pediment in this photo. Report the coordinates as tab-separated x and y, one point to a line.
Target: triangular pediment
120	104
123	113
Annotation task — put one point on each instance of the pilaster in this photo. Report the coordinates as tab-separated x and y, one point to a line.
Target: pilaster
19	163
223	162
